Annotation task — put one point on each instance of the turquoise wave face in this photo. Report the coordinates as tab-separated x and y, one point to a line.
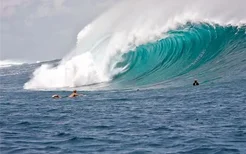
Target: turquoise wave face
203	51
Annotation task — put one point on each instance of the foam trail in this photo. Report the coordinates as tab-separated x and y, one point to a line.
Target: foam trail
127	25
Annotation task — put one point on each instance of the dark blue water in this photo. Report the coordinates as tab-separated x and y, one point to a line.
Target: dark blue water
210	118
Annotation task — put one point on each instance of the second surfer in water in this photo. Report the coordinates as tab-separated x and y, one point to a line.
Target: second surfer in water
56	96
74	94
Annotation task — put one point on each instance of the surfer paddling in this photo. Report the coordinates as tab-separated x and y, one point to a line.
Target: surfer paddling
74	94
56	96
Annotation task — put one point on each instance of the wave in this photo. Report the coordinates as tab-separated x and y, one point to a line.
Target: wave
9	63
143	44
194	50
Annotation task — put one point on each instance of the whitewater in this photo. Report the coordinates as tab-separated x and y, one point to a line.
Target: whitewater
104	45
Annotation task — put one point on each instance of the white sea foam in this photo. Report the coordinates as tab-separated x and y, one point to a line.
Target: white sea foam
122	28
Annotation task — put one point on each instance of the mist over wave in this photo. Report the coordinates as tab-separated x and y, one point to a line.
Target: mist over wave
135	41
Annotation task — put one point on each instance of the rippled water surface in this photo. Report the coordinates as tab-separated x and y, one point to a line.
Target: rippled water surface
205	119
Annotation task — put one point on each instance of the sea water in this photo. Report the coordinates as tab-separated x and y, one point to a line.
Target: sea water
209	118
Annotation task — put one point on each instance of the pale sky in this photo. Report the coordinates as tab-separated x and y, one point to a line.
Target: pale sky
44	29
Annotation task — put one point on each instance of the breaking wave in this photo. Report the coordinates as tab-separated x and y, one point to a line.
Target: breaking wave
147	43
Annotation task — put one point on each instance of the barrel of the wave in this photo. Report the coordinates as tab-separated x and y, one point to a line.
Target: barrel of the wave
192	50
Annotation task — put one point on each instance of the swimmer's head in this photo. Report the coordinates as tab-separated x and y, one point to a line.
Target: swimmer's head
75	91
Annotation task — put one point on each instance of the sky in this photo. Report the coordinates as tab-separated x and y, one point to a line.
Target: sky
38	30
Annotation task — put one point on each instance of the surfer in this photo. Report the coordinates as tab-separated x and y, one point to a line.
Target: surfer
74	94
56	96
195	83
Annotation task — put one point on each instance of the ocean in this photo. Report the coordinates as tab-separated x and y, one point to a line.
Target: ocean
137	85
209	118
